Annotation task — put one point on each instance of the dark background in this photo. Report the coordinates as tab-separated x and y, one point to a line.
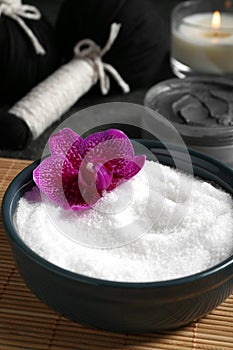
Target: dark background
50	8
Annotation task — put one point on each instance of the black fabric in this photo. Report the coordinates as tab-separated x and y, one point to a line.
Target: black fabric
14	132
138	50
20	67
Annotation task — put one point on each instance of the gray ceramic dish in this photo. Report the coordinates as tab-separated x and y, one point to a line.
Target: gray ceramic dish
214	140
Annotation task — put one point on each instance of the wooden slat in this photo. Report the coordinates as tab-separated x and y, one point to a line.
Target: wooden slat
26	323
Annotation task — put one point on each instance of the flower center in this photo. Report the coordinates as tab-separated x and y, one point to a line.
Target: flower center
90	166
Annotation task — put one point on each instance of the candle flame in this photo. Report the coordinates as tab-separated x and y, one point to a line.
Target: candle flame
216	20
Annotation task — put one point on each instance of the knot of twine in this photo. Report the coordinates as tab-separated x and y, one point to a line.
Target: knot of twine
16	10
88	49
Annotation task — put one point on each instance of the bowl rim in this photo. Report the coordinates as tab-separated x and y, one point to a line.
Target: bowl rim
11	232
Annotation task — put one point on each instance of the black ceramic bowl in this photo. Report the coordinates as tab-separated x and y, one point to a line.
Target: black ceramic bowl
123	307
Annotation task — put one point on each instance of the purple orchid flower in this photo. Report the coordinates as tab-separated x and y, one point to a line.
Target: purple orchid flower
79	170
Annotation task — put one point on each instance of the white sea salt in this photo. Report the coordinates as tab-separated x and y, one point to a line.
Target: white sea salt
187	225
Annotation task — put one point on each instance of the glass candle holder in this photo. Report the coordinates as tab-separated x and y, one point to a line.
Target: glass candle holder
202	38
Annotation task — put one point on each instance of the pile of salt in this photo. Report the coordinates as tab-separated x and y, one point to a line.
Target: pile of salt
189	226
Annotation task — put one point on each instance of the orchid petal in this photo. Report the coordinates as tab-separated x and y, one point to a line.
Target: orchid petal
72	192
134	166
61	142
73	155
126	170
79	194
48	177
116	181
117	166
107	145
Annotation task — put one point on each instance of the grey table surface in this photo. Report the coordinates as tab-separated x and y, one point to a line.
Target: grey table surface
50	9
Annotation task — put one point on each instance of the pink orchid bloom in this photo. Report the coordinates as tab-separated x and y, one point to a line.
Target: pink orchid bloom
79	170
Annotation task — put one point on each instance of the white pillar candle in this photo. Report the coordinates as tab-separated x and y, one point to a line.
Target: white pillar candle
204	45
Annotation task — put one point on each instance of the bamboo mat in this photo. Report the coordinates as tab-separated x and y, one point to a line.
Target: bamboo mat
26	323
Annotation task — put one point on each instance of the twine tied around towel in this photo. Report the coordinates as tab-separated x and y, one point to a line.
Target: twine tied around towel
17	11
51	98
88	49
